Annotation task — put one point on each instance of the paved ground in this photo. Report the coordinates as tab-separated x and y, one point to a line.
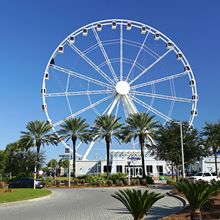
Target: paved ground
82	204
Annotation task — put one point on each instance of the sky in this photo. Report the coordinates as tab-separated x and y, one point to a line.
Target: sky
31	31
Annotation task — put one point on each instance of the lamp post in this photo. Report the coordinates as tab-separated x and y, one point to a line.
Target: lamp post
129	175
182	151
67	151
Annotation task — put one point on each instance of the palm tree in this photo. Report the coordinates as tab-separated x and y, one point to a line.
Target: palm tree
73	129
211	132
106	127
197	195
137	203
38	134
141	126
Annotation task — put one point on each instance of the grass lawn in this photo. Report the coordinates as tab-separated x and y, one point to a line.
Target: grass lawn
11	195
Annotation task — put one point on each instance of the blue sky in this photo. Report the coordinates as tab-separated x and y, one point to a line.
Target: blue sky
31	30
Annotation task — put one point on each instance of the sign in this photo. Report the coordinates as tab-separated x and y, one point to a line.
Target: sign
67	150
133	158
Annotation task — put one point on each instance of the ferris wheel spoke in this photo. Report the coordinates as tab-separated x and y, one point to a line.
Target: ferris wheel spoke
159	80
81	54
83	110
133	65
149	67
159	96
121	51
105	54
87	92
150	108
80	76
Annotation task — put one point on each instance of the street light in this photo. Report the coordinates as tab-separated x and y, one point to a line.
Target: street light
67	151
182	150
129	175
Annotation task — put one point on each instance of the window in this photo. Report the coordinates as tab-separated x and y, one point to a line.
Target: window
207	174
149	169
105	169
160	169
119	168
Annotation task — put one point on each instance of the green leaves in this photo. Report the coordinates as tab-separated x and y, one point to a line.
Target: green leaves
197	193
137	202
73	129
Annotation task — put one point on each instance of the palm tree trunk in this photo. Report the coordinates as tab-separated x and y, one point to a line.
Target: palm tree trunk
142	156
38	161
74	157
172	167
196	215
107	153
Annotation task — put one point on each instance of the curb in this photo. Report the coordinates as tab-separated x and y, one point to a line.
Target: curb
26	200
184	201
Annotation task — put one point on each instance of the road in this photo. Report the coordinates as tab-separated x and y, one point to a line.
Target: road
82	204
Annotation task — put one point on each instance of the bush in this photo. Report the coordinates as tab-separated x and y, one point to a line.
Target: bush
118	182
125	182
82	181
118	176
66	183
133	182
149	180
57	183
48	181
75	181
143	182
2	185
109	182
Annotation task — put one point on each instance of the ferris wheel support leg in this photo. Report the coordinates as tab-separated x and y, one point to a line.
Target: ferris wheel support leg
93	142
129	105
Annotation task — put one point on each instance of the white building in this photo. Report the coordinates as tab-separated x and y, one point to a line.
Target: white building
121	161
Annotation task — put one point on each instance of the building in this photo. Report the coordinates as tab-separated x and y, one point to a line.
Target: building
123	161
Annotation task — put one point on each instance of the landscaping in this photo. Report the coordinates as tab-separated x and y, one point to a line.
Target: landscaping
12	195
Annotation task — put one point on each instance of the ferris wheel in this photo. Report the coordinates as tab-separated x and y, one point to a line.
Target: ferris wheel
118	67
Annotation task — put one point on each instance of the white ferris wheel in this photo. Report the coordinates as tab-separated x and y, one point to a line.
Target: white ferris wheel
118	67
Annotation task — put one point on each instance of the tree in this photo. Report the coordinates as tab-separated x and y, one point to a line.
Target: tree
211	134
64	164
38	134
143	127
74	129
168	145
137	203
106	127
2	163
197	195
52	164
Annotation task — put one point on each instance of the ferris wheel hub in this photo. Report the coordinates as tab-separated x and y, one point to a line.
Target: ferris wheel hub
122	88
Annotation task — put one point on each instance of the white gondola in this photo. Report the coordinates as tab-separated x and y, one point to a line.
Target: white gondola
169	45
143	30
129	26
44	107
195	97
85	32
43	91
71	40
98	27
179	56
114	25
61	49
46	76
192	82
157	36
186	68
194	112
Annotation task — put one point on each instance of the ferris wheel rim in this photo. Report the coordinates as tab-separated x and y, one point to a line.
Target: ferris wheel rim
137	25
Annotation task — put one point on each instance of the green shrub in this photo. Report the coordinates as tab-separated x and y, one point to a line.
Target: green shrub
149	180
118	176
109	182
125	182
2	185
118	182
57	183
143	182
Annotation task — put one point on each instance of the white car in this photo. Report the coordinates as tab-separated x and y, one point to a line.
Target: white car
203	176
